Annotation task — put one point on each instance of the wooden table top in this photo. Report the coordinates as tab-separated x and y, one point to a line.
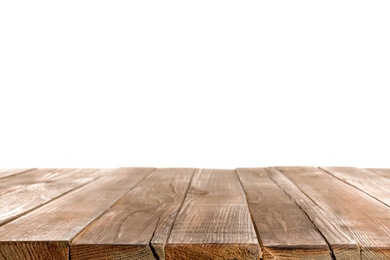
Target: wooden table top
180	213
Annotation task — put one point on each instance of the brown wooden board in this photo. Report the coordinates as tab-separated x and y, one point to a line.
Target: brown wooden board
284	229
381	171
214	221
138	225
342	246
362	217
45	233
22	180
371	183
299	213
29	190
14	182
8	172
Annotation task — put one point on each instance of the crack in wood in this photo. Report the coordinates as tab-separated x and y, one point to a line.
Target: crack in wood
311	220
253	221
154	251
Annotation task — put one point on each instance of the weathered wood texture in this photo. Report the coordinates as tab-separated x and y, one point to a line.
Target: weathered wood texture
343	247
26	191
138	225
47	230
34	176
363	218
214	221
18	181
380	171
286	232
145	213
371	183
8	172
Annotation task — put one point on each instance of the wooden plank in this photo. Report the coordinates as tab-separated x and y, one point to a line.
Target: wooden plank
381	171
363	218
214	221
371	183
284	229
25	178
27	191
20	181
48	230
138	225
8	172
342	246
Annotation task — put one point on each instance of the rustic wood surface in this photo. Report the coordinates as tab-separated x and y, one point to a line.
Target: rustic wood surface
342	246
181	213
54	224
214	221
285	230
142	219
380	171
371	183
363	218
18	181
9	172
24	192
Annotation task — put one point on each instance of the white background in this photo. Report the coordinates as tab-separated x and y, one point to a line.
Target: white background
219	84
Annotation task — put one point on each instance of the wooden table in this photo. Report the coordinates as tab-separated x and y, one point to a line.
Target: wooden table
148	213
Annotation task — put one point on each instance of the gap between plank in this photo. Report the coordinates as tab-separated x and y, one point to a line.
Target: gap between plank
55	198
250	212
319	231
18	173
108	208
155	255
371	196
179	209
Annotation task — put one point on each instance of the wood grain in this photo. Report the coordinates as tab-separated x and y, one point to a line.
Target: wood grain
284	229
8	172
22	180
371	183
34	250
59	221
342	245
144	213
14	182
29	190
363	218
214	221
381	171
138	225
